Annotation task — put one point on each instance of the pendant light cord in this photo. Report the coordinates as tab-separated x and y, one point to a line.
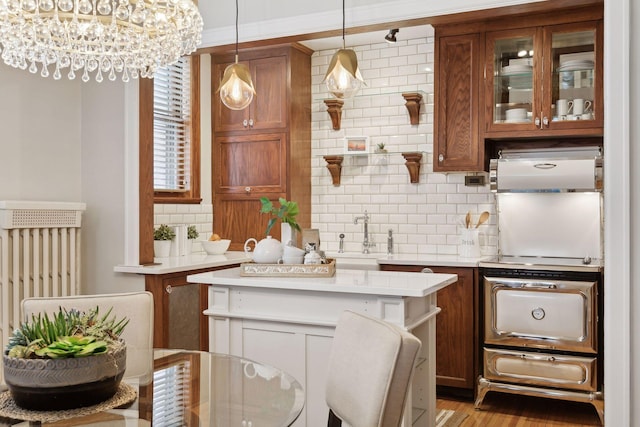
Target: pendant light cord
343	23
237	31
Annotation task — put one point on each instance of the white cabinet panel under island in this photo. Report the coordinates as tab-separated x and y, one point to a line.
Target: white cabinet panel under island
288	322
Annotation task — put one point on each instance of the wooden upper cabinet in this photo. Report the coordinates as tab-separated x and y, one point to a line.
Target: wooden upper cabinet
545	81
268	108
250	163
458	146
265	149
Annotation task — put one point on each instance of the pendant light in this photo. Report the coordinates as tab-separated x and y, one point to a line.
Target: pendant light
236	87
343	78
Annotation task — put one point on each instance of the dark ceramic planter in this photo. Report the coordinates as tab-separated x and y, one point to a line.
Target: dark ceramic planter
56	384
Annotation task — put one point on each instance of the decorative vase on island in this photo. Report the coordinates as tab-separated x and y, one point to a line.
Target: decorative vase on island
266	251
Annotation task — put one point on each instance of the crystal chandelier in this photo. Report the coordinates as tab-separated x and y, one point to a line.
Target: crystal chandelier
101	37
343	78
236	87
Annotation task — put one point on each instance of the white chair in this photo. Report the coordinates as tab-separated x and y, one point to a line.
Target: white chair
135	306
370	370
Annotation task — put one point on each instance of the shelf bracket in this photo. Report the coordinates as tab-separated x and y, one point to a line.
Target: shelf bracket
413	165
334	108
334	164
413	106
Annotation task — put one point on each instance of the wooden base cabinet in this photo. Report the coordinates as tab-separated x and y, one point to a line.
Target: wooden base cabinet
457	330
178	321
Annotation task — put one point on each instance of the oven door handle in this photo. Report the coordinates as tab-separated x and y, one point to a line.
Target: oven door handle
541	285
532	285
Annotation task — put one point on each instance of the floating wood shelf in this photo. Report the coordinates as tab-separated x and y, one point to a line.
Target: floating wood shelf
334	108
413	165
413	106
334	164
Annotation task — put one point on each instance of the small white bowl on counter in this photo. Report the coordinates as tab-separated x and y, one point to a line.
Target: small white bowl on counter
216	247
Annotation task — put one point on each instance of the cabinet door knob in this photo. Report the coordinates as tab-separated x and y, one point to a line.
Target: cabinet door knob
537	122
168	289
545	121
441	157
245	123
251	123
247	190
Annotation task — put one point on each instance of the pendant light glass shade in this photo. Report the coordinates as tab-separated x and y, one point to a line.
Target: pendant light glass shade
343	78
103	38
236	87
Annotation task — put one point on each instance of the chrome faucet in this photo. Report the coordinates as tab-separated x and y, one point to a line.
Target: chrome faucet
365	243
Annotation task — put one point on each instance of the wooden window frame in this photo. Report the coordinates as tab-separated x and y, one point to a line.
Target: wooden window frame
192	196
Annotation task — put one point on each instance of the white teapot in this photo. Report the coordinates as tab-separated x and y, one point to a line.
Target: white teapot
266	251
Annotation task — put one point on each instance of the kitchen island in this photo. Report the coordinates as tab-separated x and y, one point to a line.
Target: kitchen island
288	322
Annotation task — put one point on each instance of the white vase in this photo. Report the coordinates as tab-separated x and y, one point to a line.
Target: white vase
161	248
288	234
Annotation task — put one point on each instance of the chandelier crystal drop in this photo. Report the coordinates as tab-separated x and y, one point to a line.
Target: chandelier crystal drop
103	38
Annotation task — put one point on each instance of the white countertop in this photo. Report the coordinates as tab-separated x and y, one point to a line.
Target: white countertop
200	260
185	263
344	281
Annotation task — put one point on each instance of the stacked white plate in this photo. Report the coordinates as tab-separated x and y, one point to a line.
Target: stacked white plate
510	70
575	65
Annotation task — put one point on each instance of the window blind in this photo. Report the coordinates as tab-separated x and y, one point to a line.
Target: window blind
171	127
171	395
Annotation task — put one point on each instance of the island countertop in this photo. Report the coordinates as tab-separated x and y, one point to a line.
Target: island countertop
344	281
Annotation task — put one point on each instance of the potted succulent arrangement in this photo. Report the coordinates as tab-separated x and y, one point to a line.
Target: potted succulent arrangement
71	360
192	234
380	148
162	237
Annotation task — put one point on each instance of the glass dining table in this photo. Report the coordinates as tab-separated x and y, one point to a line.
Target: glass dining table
192	388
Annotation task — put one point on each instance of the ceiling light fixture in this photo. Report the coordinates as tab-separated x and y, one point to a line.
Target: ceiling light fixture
104	37
391	37
236	87
343	78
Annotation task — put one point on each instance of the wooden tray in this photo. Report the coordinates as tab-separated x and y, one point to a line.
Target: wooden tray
289	270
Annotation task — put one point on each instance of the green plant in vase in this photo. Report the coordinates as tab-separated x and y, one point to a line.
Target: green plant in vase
192	232
164	232
286	213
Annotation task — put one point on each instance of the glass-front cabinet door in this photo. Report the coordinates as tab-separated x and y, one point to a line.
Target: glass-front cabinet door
573	93
513	79
545	79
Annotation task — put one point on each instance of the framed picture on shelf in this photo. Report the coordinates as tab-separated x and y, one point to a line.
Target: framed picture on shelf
356	145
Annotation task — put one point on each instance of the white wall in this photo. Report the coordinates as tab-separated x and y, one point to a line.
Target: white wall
40	141
103	189
425	217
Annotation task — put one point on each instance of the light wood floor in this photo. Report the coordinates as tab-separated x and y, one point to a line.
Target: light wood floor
508	410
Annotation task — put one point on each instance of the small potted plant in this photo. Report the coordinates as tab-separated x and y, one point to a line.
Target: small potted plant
286	214
192	234
78	357
380	148
162	237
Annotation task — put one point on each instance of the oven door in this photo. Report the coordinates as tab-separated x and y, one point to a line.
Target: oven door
548	314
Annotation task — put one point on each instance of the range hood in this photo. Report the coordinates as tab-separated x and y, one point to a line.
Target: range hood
547	170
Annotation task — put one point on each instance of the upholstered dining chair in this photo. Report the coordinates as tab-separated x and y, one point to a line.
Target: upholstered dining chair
135	306
370	369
